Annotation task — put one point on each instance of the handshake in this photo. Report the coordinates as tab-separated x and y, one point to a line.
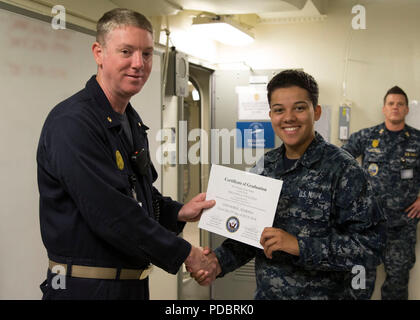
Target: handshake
203	265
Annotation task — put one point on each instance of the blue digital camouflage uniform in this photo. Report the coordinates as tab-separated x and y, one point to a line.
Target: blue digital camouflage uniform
393	164
327	203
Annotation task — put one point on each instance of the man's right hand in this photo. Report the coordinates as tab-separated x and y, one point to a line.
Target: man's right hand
196	260
206	276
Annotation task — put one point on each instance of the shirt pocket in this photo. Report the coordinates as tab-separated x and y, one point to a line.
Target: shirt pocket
402	163
374	162
307	214
371	156
411	158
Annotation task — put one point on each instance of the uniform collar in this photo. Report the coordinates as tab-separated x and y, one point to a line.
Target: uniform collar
107	114
132	114
404	134
314	152
311	155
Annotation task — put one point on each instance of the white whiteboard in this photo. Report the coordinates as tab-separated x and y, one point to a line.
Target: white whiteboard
323	125
39	67
413	116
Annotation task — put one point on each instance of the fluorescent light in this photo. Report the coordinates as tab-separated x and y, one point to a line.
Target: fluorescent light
223	29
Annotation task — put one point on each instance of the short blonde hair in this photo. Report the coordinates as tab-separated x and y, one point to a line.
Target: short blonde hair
120	17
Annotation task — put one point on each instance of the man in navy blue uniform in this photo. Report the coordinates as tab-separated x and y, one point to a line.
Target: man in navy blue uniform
390	154
102	221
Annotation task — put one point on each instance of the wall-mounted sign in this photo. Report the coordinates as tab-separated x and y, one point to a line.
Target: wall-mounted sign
255	134
252	103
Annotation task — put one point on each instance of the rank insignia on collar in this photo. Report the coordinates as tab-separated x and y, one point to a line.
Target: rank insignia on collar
119	160
375	143
407	134
381	131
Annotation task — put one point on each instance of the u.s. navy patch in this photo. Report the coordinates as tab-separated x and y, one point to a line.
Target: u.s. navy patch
232	224
373	169
119	160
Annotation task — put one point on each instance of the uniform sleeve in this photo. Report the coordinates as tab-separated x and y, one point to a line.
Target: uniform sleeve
80	158
417	175
354	145
233	255
357	235
168	210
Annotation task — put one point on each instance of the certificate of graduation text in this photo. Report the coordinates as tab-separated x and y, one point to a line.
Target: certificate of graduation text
245	204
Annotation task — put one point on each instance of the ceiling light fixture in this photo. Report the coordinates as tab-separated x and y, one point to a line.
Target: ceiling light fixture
223	29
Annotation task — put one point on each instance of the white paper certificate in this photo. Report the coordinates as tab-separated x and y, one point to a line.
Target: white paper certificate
245	204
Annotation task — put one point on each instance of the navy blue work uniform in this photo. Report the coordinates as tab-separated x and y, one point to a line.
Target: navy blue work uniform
392	159
327	203
96	209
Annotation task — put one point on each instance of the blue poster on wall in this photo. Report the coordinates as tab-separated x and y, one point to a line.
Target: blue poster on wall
254	134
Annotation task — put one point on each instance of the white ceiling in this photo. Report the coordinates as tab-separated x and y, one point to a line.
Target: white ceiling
169	7
269	11
266	10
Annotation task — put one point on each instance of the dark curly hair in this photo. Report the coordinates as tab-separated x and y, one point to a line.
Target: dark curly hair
290	78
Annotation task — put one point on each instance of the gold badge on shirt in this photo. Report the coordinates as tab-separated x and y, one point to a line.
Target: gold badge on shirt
375	143
119	159
373	169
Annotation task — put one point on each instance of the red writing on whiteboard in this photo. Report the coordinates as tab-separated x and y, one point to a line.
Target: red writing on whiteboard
36	70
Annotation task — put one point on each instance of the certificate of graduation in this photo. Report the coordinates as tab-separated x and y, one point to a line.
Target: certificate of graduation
245	204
